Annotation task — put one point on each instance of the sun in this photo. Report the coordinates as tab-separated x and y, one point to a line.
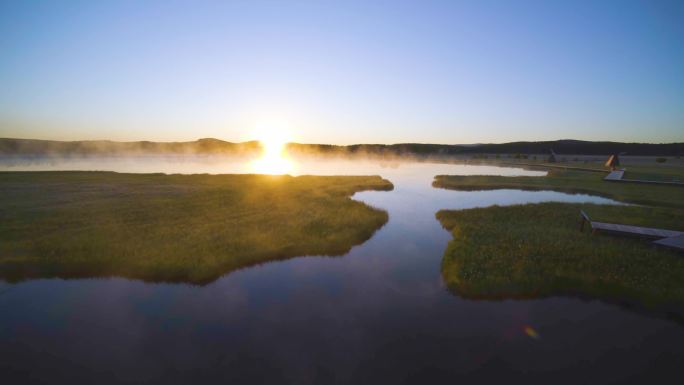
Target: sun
273	158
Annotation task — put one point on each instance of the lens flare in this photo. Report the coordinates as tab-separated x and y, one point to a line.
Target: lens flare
531	332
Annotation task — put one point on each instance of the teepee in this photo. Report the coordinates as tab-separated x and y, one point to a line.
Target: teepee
613	162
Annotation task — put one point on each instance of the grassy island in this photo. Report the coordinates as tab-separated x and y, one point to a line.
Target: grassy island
180	228
537	250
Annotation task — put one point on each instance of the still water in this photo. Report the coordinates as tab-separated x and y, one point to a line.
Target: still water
379	314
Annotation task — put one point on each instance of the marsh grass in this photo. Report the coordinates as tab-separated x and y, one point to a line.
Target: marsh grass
537	250
180	228
660	173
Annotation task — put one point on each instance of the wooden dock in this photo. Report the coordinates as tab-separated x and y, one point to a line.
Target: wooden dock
663	237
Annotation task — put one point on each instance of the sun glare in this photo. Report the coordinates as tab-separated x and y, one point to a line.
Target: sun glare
273	158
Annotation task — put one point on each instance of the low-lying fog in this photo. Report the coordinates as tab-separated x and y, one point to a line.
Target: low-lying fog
217	164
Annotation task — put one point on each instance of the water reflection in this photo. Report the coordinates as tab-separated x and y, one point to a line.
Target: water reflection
380	314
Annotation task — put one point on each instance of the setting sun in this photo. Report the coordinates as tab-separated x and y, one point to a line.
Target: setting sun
273	159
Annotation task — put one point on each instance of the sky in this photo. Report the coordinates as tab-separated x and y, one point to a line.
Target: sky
343	72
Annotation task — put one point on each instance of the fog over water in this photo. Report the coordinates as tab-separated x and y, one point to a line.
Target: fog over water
379	314
220	164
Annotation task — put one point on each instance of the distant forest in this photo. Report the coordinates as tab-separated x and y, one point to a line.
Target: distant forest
215	146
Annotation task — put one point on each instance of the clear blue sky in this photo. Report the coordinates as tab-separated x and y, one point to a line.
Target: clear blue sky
343	72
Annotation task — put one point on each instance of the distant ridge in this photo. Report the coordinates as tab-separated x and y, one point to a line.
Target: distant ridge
581	147
9	146
565	146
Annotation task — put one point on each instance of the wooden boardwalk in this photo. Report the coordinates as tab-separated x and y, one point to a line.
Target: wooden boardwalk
615	175
663	237
674	242
647	232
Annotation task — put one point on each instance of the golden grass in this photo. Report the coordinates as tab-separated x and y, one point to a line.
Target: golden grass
181	228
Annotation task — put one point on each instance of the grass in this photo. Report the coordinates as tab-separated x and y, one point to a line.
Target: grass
660	173
179	228
571	181
537	250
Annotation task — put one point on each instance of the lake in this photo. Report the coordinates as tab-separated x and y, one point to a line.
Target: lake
379	314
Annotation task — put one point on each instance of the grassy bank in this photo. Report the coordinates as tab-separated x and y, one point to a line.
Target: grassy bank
537	250
189	228
571	182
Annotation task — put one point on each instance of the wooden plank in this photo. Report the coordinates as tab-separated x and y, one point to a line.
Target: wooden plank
673	242
636	230
615	175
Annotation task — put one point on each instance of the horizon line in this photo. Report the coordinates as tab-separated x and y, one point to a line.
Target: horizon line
339	145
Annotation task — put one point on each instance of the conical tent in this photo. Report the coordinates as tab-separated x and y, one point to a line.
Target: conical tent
613	161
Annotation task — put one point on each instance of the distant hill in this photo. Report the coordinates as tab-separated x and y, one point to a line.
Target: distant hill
215	146
574	147
579	147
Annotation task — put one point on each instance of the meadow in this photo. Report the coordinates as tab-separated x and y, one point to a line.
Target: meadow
174	228
537	250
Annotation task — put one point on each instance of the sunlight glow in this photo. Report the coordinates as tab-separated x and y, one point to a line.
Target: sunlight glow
273	159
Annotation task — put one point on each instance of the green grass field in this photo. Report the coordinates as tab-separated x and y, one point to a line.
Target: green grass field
180	228
662	173
537	250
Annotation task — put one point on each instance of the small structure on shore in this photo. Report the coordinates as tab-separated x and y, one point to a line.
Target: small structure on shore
613	162
552	157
